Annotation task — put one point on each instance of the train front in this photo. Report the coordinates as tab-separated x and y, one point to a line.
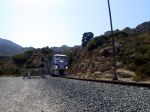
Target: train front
60	64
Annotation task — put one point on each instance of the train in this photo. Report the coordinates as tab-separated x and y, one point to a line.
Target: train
58	64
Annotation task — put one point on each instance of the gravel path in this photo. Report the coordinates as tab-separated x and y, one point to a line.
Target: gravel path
64	95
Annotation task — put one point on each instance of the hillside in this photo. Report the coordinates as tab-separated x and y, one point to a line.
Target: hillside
94	59
9	48
132	55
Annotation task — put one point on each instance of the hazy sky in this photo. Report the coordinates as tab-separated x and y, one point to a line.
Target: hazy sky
41	23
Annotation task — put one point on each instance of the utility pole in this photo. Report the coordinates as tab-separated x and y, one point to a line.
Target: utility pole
113	44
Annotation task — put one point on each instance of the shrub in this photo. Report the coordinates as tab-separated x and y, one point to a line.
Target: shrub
46	50
9	72
139	77
30	66
70	55
148	55
143	49
29	53
97	42
20	59
91	45
29	61
142	72
140	59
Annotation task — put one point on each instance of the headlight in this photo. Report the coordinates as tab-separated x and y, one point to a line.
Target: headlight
56	66
66	67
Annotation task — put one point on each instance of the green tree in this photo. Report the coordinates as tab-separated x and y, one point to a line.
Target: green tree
46	50
86	38
20	59
97	42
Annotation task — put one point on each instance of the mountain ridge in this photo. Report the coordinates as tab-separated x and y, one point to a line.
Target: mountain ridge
10	48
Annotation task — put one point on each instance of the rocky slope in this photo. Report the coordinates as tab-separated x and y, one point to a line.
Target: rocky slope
96	59
132	55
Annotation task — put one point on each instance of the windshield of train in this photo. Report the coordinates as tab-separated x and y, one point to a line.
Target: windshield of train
61	58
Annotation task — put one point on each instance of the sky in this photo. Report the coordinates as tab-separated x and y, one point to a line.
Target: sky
40	23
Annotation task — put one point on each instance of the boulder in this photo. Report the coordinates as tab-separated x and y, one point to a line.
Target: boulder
122	73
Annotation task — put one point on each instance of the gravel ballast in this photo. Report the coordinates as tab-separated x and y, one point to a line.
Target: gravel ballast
54	94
